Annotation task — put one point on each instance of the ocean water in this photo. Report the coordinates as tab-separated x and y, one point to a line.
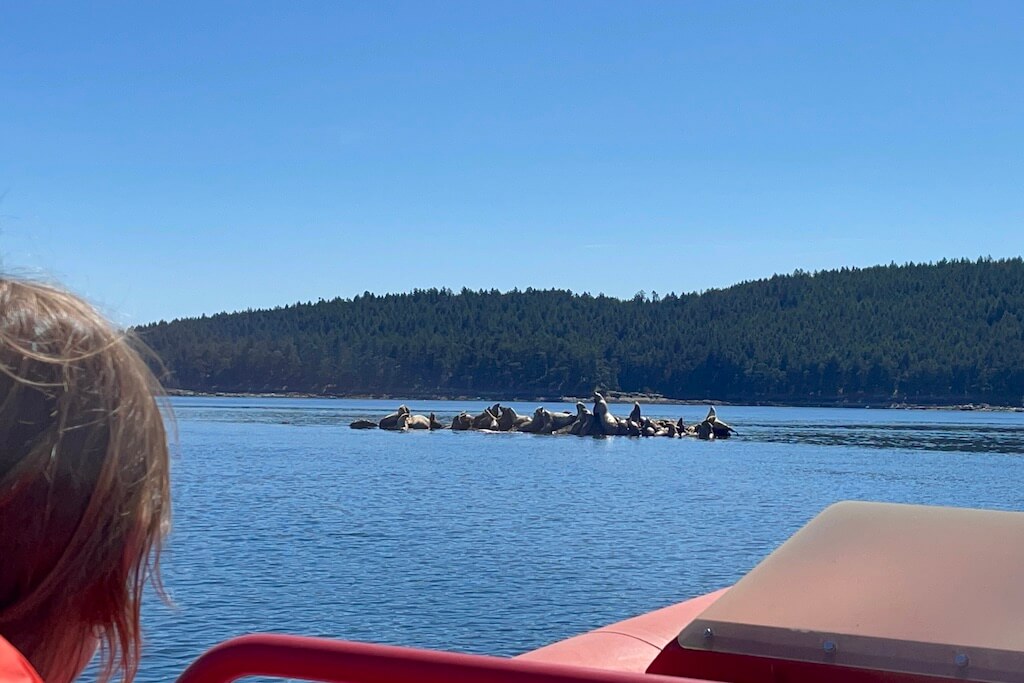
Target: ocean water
286	520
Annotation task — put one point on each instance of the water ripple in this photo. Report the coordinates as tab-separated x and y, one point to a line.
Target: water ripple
288	521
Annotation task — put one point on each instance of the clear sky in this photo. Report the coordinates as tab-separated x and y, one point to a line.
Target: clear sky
193	158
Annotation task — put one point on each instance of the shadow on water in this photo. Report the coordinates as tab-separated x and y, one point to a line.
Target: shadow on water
1004	439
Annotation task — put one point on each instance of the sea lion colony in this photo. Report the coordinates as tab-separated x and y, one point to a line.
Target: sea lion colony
600	422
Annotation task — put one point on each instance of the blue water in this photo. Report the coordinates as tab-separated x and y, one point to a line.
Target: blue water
286	520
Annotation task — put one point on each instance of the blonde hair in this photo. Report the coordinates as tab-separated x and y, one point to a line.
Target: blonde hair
84	492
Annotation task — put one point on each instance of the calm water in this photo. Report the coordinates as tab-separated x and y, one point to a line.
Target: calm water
287	520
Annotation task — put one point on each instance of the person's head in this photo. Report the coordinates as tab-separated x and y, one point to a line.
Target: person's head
84	493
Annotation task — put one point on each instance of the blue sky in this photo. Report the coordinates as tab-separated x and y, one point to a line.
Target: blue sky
192	158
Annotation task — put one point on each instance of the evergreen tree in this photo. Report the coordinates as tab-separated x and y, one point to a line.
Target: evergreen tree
950	332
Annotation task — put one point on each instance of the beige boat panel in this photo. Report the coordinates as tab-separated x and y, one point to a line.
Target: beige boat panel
894	583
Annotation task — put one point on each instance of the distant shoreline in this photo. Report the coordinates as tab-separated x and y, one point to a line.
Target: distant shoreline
613	397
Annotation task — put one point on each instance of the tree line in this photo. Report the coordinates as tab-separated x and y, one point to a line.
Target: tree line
948	332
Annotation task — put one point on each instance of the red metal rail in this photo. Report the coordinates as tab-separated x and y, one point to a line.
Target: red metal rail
339	661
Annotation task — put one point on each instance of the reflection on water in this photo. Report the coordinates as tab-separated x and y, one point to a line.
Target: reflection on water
287	520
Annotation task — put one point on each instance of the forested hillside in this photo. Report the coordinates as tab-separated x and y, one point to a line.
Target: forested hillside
951	332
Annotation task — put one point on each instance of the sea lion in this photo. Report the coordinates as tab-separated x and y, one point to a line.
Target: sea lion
419	422
549	425
434	424
584	425
363	424
391	421
485	420
606	422
462	422
581	425
560	420
567	429
536	423
721	429
507	419
634	415
705	431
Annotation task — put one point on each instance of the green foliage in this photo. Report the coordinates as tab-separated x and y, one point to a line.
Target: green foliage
951	332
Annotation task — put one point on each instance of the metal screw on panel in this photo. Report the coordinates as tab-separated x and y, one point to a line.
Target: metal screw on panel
961	660
829	646
708	633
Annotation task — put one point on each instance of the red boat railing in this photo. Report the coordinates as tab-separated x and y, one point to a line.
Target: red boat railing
339	661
